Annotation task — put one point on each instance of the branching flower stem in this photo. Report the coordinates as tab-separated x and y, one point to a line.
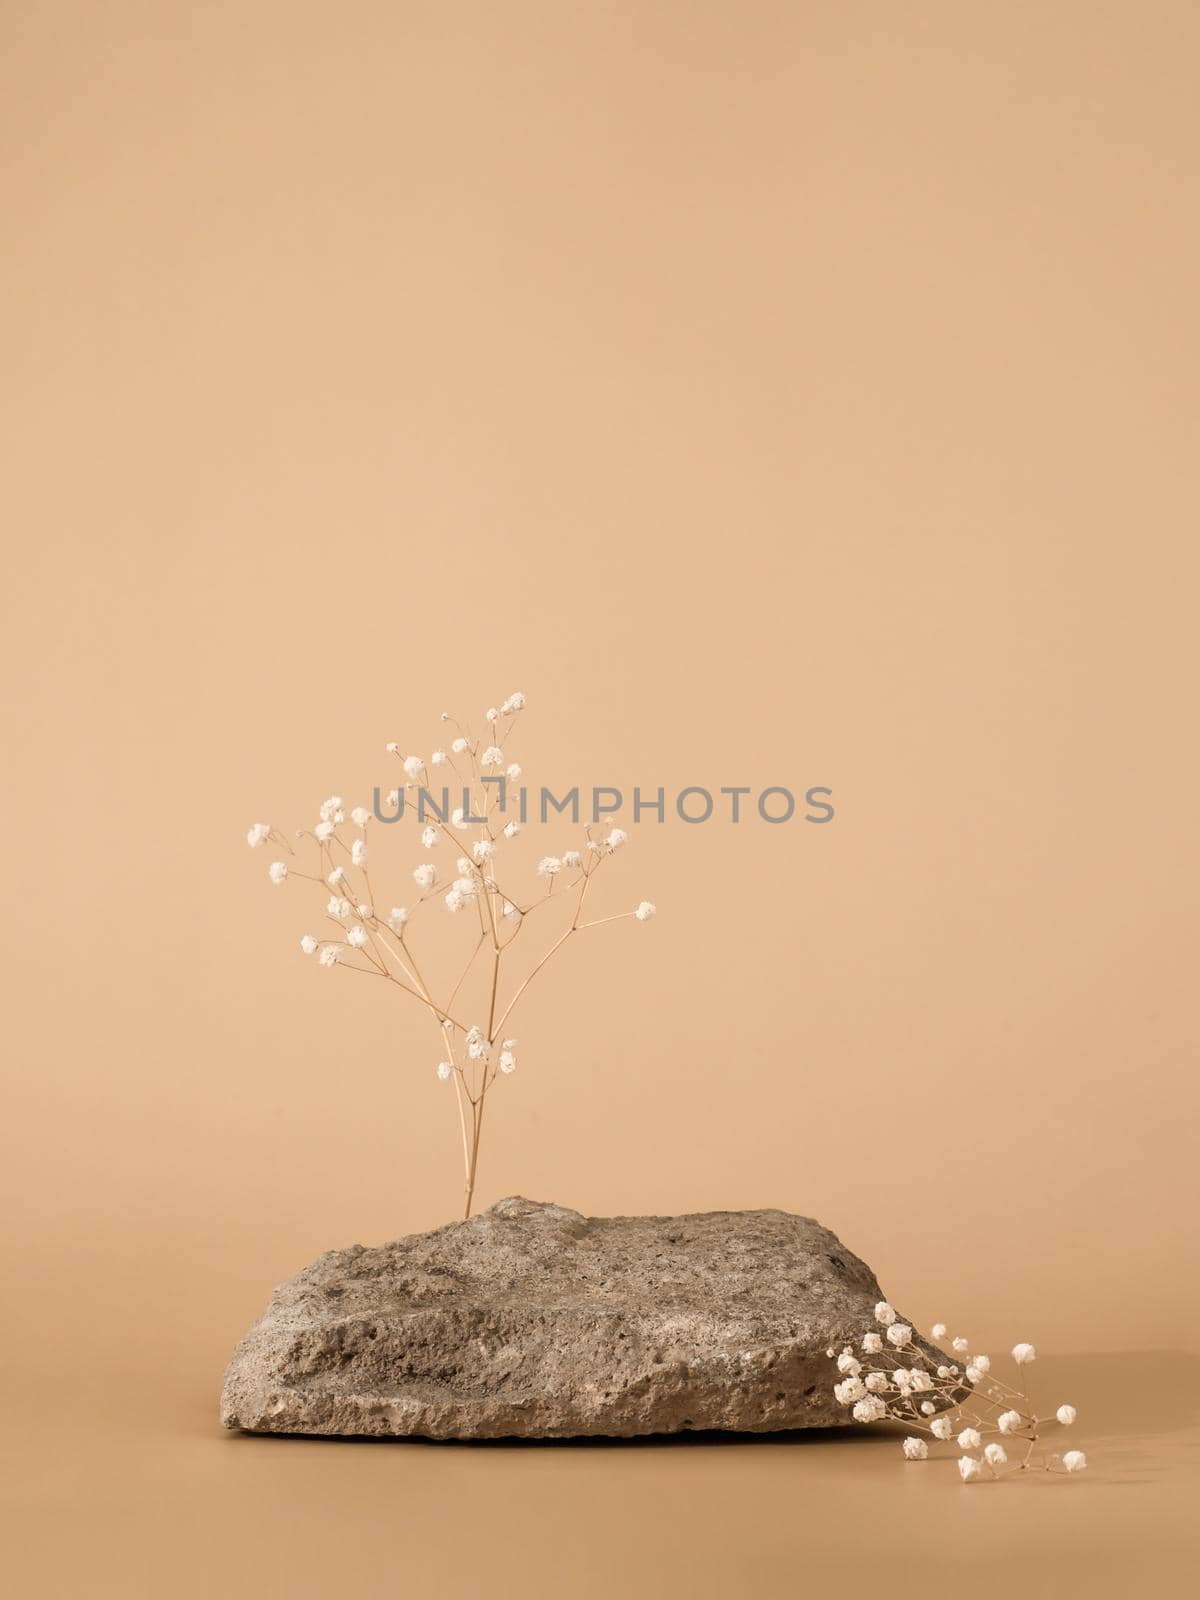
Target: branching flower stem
375	943
890	1375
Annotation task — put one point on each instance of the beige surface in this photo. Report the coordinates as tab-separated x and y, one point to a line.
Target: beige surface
138	1494
777	394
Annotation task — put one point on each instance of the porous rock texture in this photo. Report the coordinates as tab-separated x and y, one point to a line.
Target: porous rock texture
532	1321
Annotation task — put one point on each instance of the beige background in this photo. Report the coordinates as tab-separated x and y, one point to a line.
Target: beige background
777	393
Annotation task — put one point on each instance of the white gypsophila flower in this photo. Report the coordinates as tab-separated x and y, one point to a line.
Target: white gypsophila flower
259	832
876	1382
644	910
493	756
901	1379
358	853
330	955
330	807
392	748
1023	1354
944	1372
516	700
869	1409
508	1061
467	887
277	871
969	1469
1074	1461
884	1314
513	771
365	912
938	1331
899	1334
940	1427
429	837
927	1408
982	1363
571	858
393	797
972	1374
847	1363
454	900
463	866
397	917
491	714
1066	1415
995	1455
438	758
458	819
360	816
338	875
616	838
594	844
915	1449
549	866
483	849
308	944
511	830
323	832
508	909
458	746
508	1044
479	1050
413	768
424	875
969	1439
337	907
1008	1421
357	936
960	1345
921	1381
444	1069
872	1343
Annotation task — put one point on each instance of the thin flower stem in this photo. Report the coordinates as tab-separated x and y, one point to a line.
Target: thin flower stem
558	943
459	1090
470	963
409	969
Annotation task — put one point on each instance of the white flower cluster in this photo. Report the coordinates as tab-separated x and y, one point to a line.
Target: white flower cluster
893	1376
360	939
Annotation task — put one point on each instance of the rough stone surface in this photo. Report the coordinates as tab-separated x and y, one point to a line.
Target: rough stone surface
533	1321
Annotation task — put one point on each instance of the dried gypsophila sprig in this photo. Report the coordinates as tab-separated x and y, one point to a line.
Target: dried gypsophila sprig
472	1054
946	1401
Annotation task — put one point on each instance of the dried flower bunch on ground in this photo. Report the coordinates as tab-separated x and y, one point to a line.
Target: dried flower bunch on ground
957	1403
478	898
